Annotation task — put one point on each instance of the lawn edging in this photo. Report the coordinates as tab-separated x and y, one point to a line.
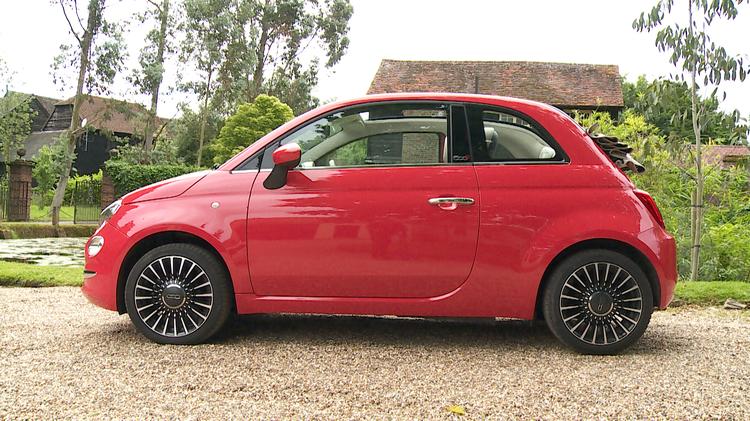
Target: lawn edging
15	230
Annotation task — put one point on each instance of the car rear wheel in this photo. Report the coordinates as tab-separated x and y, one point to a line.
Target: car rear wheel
598	302
178	294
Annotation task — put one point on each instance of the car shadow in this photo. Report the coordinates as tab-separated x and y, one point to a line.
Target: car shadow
382	330
403	332
410	332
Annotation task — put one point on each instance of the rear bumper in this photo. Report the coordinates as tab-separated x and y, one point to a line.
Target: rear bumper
101	271
664	260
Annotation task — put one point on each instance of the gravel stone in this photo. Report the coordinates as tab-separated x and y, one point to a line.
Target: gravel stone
65	358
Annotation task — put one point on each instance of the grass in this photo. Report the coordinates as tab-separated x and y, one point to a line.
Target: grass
712	293
45	213
26	275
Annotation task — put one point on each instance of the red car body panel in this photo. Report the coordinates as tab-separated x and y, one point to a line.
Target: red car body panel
365	240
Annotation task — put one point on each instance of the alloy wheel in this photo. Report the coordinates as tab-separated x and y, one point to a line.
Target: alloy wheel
173	296
601	303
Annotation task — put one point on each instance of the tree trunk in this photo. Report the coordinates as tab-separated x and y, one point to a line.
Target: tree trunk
148	144
204	117
260	56
94	20
696	222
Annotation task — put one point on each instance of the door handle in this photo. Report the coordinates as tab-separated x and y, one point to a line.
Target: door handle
450	201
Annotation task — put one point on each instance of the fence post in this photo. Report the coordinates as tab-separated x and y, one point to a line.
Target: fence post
19	190
107	191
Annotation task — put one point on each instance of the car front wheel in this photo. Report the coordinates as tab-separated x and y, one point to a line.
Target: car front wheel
178	294
598	302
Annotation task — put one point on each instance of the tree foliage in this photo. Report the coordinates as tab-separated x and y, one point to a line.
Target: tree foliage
48	164
286	28
15	122
148	77
694	53
207	27
668	179
184	132
251	122
106	52
667	105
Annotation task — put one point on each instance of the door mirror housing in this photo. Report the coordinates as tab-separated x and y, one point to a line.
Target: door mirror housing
285	158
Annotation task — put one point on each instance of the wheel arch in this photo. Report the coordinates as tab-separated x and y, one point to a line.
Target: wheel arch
152	241
617	246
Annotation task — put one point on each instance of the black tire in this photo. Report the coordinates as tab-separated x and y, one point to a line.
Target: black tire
602	290
191	311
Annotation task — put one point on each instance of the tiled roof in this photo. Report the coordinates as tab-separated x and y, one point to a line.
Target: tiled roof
112	114
724	154
565	85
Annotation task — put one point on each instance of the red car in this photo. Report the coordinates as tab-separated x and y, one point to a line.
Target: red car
434	205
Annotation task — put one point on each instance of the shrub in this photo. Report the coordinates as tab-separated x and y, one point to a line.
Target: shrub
164	152
48	164
251	122
128	177
669	179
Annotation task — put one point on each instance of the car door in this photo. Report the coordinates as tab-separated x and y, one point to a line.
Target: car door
382	204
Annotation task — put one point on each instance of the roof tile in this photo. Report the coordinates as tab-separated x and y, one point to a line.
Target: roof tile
565	85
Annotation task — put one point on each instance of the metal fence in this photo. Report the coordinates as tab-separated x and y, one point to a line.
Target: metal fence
86	201
4	200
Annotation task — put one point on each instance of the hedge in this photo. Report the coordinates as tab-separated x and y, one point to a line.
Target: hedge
128	177
10	230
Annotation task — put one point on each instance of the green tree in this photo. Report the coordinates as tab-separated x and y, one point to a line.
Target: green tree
149	76
208	29
285	29
184	132
96	56
666	104
251	122
694	53
48	166
15	122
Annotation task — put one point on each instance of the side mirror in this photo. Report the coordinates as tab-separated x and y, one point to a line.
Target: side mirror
284	158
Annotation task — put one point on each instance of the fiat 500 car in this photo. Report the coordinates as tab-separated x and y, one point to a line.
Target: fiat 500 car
429	205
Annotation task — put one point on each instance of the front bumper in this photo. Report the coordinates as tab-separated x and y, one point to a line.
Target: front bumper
101	272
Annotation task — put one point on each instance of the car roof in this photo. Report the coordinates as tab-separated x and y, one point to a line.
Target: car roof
438	96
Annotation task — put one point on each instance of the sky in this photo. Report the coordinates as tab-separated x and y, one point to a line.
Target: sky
575	31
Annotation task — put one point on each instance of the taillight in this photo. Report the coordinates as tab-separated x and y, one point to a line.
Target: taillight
650	204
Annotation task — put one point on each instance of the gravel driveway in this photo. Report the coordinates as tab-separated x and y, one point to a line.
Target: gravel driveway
63	357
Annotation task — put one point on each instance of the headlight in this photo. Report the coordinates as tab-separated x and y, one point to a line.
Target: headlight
109	211
95	245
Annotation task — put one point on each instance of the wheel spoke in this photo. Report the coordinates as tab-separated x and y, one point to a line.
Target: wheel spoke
573	288
596	272
579	280
606	275
587	275
614	331
573	316
633	288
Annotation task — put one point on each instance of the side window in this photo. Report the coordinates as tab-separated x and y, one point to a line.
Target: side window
379	134
499	136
